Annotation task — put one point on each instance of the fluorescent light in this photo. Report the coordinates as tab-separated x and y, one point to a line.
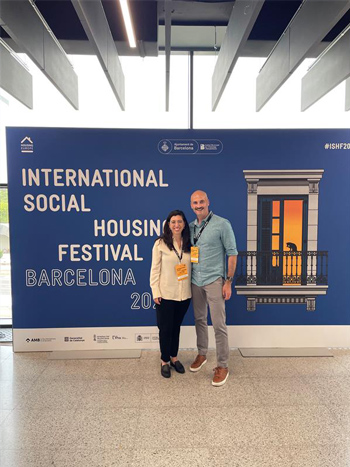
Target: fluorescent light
127	21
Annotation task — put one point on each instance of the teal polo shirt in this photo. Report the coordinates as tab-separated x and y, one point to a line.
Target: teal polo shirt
217	241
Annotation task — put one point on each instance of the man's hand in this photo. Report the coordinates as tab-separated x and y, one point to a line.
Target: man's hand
227	290
158	300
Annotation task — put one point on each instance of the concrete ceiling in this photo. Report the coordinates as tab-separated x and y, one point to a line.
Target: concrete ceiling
242	28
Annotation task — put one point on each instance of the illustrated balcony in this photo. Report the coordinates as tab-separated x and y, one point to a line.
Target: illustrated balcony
287	277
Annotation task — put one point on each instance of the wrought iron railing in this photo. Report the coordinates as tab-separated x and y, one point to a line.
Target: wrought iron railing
282	268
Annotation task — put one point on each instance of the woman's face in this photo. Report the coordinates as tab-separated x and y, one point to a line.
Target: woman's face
176	225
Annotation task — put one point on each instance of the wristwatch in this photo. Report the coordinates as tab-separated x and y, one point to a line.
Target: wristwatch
229	278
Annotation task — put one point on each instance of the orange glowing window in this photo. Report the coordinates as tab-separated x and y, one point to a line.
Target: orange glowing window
275	242
275	226
293	224
292	237
275	209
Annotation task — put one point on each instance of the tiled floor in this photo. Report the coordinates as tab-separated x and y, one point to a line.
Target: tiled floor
272	412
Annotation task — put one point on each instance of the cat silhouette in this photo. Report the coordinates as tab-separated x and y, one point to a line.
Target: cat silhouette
292	246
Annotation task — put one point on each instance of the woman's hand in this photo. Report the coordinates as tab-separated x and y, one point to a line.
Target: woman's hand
158	300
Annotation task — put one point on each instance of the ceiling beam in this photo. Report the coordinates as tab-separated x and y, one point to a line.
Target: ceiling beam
24	24
329	70
167	18
242	19
311	23
93	19
15	78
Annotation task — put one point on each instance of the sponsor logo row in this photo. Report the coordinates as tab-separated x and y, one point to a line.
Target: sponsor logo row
165	146
97	338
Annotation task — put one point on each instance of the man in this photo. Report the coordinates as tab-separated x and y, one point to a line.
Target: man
213	239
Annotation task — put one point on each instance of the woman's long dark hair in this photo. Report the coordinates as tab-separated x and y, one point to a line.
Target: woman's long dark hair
167	235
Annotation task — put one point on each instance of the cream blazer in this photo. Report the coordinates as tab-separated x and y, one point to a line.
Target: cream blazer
163	279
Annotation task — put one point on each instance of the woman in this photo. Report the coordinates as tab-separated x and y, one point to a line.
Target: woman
170	281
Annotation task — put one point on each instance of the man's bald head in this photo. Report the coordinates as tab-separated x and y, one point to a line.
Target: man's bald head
199	193
200	204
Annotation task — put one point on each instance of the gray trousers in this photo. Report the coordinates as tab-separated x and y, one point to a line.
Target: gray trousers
211	295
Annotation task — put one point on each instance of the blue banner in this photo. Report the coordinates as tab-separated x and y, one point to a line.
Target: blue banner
86	206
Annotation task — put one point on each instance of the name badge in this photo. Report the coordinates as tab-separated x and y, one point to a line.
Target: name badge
181	272
194	254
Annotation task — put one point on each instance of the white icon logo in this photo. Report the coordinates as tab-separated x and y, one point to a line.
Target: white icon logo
165	147
27	145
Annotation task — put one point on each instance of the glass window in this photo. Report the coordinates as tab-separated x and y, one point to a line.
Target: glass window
5	263
275	209
237	105
275	242
275	226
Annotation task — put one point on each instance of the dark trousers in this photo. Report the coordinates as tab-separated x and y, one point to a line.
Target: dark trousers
170	315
